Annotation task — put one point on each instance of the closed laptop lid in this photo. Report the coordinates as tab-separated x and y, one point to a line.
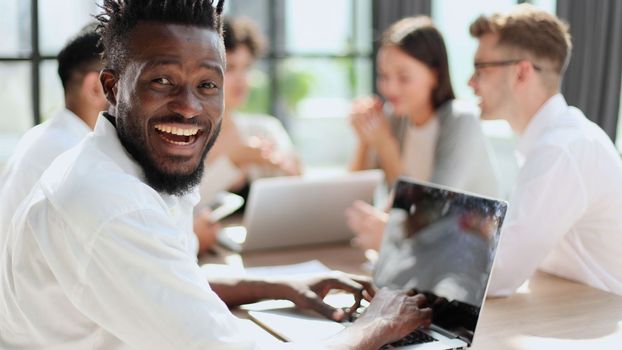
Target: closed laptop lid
293	211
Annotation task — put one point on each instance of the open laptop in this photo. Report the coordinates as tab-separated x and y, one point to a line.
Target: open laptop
438	241
291	211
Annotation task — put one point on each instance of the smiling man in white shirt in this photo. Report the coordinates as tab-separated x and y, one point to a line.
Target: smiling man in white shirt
79	64
99	255
565	214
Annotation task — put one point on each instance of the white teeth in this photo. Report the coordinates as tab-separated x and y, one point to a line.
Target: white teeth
177	131
178	143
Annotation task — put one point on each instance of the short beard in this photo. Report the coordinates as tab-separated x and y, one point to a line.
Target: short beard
132	138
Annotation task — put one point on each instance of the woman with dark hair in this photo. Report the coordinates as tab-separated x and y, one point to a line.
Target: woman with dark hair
419	130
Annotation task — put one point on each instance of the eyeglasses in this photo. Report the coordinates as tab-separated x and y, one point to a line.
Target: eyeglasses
481	65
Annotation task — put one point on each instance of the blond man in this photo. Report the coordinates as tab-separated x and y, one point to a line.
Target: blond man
564	215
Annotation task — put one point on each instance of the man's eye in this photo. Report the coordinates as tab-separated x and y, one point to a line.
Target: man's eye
162	81
208	85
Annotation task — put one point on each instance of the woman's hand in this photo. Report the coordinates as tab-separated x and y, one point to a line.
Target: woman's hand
262	153
369	122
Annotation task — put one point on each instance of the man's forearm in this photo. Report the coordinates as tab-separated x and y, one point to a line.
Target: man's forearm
239	291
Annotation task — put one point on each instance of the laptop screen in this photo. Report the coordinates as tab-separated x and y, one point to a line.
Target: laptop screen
442	243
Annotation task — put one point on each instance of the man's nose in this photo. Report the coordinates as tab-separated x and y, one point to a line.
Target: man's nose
472	81
185	103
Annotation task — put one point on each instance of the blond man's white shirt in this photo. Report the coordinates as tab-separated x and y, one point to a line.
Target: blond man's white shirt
565	214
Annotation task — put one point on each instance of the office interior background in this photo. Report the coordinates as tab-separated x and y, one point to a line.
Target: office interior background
320	57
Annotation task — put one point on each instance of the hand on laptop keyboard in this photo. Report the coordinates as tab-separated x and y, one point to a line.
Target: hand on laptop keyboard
401	312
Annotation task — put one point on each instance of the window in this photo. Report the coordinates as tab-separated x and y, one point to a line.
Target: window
316	64
32	35
320	59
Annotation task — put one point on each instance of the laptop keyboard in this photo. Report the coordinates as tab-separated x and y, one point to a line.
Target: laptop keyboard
416	337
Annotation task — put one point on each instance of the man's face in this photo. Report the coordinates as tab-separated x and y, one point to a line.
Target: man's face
168	101
493	83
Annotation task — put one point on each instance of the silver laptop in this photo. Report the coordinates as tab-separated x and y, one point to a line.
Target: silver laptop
438	241
293	211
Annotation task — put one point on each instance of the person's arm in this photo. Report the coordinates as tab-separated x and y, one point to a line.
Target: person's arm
360	161
305	292
390	161
390	316
284	146
367	223
374	134
141	285
548	199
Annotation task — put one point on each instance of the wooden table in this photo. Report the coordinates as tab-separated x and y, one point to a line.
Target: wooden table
547	313
551	313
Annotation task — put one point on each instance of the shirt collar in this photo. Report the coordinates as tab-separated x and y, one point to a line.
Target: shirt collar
72	122
106	132
549	111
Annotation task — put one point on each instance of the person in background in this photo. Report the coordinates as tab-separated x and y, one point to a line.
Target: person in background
564	215
99	255
416	128
78	68
249	146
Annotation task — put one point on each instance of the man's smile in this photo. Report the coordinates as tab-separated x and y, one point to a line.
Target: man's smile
178	134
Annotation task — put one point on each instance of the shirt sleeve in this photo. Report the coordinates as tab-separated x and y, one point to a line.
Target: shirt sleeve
549	198
144	288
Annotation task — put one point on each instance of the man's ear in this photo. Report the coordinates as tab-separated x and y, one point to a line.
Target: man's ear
524	71
92	88
109	80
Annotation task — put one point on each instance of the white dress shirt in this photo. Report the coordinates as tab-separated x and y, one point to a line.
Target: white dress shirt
220	173
97	259
34	153
565	216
